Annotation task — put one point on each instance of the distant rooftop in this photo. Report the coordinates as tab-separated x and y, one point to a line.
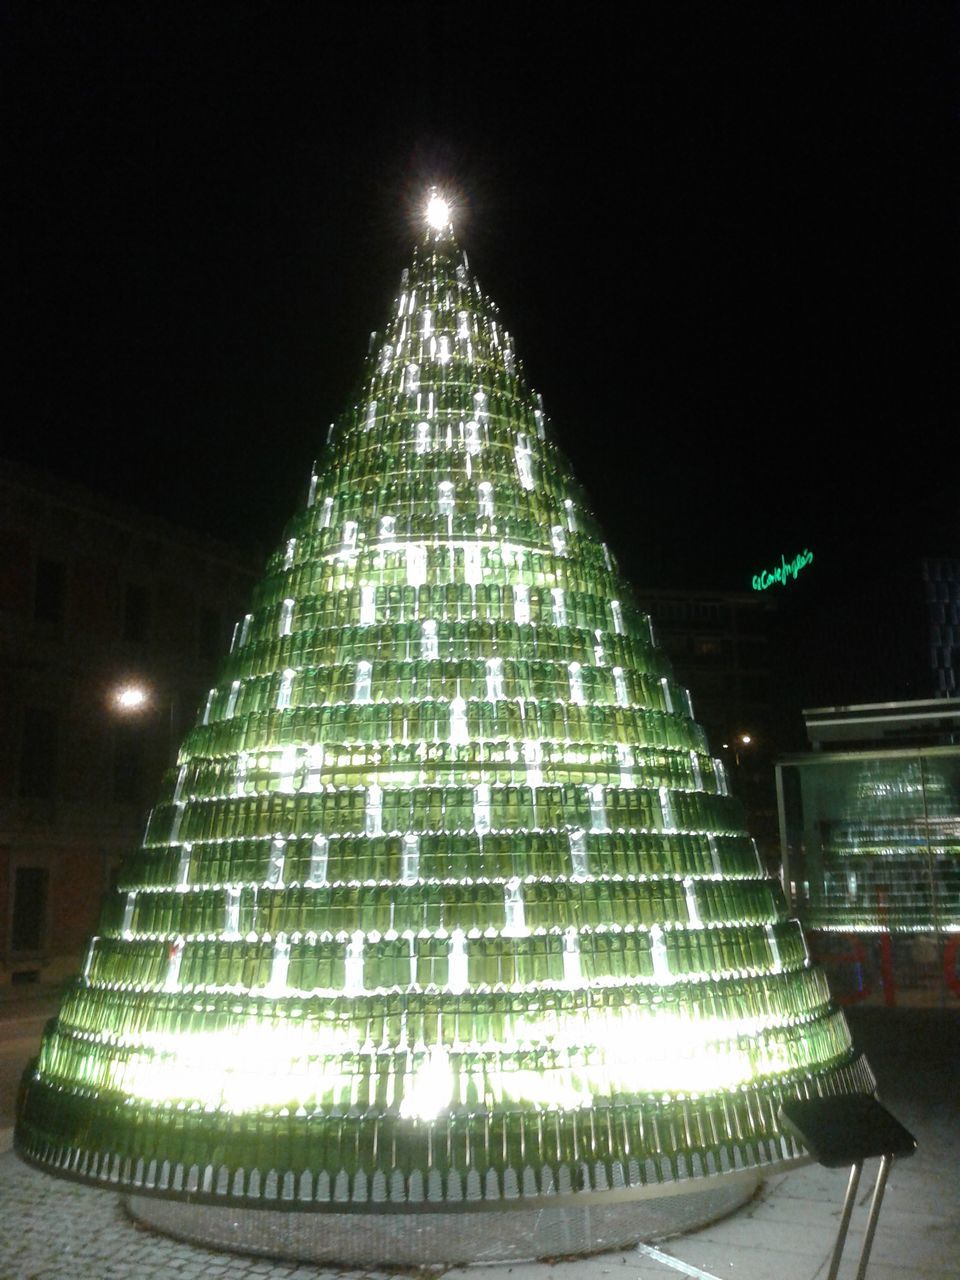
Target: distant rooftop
76	496
930	722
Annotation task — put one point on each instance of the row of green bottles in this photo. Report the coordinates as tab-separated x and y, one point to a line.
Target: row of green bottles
131	1014
319	964
454	398
732	950
463	354
462	497
733	901
788	996
780	1049
375	1082
501	724
296	769
348	1144
422	810
447	602
402	907
440	857
264	651
377	429
139	963
433	452
445	591
421	681
429	450
431	516
287	765
469	905
412	503
359	429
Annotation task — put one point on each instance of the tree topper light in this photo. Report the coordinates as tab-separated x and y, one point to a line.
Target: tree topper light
438	212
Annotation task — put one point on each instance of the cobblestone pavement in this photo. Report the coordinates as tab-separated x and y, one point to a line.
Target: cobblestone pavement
56	1230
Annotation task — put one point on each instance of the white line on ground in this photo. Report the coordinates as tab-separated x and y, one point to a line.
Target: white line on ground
675	1264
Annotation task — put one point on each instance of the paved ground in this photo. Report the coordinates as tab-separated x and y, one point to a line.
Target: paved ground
53	1230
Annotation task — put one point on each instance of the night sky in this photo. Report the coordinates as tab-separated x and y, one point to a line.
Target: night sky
723	236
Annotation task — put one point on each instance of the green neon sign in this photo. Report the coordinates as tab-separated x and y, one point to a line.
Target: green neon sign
786	570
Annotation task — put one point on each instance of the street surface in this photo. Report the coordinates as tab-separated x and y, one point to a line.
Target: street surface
23	1013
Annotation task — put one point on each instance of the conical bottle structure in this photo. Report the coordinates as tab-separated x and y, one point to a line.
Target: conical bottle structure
446	899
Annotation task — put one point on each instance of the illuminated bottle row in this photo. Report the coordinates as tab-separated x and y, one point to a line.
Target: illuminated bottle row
425	728
422	811
439	641
302	769
453	580
445	962
510	907
472	505
357	859
315	1076
343	606
130	1013
412	682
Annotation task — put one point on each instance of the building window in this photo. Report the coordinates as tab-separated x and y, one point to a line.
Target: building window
50	592
29	930
708	647
38	754
135	613
128	763
705	612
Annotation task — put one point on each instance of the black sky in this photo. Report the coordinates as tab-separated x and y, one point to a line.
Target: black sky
723	236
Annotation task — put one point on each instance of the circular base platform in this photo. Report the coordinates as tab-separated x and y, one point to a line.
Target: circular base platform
519	1234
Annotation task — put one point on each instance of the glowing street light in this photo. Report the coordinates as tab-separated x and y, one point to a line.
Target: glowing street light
741	741
131	697
134	699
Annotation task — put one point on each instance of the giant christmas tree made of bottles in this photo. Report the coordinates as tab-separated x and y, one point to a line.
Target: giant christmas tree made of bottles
446	900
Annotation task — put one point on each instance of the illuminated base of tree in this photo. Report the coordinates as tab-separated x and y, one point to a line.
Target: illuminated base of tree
369	1160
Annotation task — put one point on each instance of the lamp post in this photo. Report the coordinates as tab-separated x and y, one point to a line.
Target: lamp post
738	743
136	697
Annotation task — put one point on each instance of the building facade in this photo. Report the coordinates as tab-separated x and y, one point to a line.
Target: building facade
941	586
722	646
95	599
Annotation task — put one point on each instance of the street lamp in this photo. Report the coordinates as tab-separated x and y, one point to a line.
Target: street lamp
131	697
134	698
740	741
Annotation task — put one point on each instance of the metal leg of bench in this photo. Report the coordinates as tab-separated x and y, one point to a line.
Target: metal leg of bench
878	1190
848	1203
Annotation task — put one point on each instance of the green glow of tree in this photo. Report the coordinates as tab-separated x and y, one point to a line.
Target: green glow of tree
446	898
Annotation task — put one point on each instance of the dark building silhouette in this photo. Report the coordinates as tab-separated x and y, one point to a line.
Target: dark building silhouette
95	598
723	648
941	584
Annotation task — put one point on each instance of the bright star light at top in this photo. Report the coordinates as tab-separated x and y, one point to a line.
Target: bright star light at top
438	212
